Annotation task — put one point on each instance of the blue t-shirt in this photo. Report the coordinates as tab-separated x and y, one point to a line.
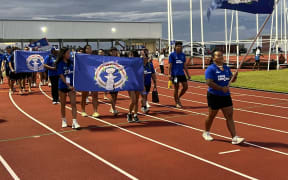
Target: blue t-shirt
1	59
67	71
11	59
50	60
221	78
148	71
177	61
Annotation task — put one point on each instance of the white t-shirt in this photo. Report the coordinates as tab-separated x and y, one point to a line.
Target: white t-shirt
161	59
258	52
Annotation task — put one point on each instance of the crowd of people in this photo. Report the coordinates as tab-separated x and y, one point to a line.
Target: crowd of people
59	75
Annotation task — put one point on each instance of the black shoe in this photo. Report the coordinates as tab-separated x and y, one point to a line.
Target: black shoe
136	119
129	118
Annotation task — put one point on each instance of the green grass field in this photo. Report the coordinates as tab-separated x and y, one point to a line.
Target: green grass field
262	80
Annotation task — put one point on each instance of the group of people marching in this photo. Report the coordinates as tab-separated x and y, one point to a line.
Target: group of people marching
60	71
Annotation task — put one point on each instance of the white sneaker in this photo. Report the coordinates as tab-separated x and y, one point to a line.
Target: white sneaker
54	102
75	124
87	100
207	136
148	105
49	84
34	85
64	123
237	140
142	109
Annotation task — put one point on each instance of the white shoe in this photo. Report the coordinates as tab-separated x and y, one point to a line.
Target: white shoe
148	105
41	84
207	136
237	140
64	123
142	109
49	84
87	100
54	102
75	124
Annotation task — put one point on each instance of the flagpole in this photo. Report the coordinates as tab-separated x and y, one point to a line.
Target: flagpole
277	38
237	37
270	45
257	28
285	31
169	26
231	31
226	37
202	35
191	31
171	19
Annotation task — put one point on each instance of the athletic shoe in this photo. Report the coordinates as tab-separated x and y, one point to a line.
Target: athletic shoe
64	123
49	84
237	140
34	84
84	114
96	115
207	136
136	119
147	104
129	118
54	102
41	84
106	98
87	100
178	105
75	124
29	90
115	112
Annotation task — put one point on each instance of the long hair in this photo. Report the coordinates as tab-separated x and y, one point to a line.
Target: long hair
88	45
61	56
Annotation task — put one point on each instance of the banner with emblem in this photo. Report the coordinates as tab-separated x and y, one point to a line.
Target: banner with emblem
30	61
250	6
107	73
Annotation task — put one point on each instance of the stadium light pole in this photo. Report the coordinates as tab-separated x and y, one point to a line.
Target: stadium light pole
277	45
226	37
231	31
270	45
285	31
169	26
237	37
257	28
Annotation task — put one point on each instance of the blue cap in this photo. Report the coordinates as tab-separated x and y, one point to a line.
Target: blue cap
8	47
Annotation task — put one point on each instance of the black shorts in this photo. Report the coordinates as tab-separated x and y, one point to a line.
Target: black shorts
113	92
65	90
14	76
7	72
180	79
218	102
147	88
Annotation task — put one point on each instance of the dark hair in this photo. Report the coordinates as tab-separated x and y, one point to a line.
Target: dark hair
178	43
86	47
61	56
213	55
113	49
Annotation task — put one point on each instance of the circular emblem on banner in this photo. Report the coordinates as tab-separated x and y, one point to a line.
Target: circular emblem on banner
35	62
110	76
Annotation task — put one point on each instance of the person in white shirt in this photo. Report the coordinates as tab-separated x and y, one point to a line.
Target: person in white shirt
161	62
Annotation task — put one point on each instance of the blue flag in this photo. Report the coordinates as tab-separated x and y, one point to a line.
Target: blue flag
250	6
107	73
26	61
40	43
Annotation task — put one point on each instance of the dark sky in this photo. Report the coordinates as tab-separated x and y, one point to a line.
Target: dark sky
133	10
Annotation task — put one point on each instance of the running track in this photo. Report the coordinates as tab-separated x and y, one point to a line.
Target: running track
166	145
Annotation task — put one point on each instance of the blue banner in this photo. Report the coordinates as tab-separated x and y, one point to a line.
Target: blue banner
107	73
40	43
30	61
250	6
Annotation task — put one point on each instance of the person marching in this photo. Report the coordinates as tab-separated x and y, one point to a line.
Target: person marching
85	94
217	78
149	73
177	66
50	64
114	94
13	75
102	53
64	68
134	97
6	58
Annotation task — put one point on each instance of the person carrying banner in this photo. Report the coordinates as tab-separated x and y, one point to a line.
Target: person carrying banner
64	68
13	75
114	94
217	78
50	65
149	73
6	58
1	68
27	76
101	53
177	66
85	94
134	97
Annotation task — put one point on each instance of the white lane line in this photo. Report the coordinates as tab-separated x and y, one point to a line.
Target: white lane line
73	143
196	129
9	169
253	112
162	144
227	152
265	97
